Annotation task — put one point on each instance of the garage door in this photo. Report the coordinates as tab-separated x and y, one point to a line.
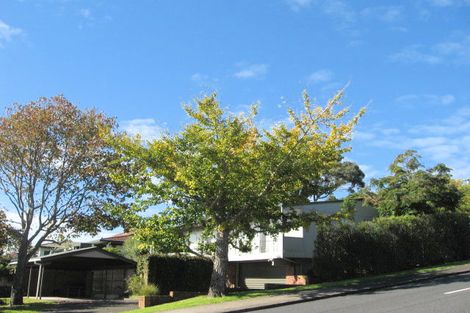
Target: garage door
255	275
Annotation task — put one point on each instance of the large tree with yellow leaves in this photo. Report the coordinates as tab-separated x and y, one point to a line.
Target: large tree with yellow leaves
224	175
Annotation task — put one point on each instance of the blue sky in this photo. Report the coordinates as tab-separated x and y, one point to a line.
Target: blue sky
407	61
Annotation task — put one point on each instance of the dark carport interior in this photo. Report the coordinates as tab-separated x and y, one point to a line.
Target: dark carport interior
82	273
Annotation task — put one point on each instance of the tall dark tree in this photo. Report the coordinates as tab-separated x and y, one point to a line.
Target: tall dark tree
52	157
345	175
412	189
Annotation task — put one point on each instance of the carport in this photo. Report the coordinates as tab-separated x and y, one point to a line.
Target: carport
81	273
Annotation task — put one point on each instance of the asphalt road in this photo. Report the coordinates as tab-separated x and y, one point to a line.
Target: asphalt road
442	295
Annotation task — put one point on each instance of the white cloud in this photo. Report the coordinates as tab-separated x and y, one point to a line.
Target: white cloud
205	81
252	71
451	51
320	76
85	13
449	3
387	14
446	140
425	99
198	77
340	11
348	19
414	54
297	5
269	123
370	171
147	128
7	32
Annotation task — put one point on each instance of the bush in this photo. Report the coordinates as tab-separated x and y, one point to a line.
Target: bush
138	287
389	244
180	273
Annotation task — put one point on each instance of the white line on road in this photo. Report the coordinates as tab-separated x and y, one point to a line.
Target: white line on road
455	291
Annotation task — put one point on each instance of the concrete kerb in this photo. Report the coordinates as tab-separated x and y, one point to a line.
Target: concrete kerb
315	297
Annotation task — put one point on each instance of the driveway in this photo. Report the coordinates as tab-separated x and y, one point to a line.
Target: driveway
92	306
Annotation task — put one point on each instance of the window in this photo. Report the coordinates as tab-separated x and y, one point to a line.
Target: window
262	243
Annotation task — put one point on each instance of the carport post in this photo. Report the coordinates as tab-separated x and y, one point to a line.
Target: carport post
29	280
40	279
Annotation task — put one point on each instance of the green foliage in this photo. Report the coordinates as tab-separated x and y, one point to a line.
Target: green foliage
464	188
388	244
133	249
3	230
138	287
115	250
344	174
412	189
180	273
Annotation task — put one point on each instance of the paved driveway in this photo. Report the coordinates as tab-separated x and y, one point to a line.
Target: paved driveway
92	306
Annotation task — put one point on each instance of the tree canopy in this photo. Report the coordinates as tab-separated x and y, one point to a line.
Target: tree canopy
345	174
412	189
4	227
228	178
464	187
52	157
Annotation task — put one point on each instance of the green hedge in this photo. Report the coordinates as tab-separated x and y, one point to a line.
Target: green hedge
181	273
390	244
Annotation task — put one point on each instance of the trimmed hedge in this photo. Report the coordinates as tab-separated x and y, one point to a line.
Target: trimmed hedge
388	244
179	273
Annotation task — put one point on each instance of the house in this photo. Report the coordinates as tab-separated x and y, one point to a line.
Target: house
113	241
285	258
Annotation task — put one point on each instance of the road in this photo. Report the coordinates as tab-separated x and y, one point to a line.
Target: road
442	295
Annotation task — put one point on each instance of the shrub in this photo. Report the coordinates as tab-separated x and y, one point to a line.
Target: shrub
389	244
138	287
180	273
148	290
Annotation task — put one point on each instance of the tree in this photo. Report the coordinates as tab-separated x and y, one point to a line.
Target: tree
464	187
344	174
413	189
4	228
52	157
228	178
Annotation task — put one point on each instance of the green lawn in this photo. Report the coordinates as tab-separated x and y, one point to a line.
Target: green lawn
30	306
202	300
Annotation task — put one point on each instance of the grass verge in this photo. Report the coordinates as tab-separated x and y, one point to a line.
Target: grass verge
204	300
29	306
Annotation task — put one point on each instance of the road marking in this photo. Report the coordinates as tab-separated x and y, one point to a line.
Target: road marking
455	291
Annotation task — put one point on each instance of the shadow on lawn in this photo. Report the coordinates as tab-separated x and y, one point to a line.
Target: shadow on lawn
78	307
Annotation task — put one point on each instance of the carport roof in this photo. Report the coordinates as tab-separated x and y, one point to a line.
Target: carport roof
91	255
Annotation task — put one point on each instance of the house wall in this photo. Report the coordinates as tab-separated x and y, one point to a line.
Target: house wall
297	243
300	243
264	247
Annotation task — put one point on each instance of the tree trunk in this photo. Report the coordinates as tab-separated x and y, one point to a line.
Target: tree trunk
16	296
219	271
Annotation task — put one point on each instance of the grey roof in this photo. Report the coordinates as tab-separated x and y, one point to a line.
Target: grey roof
77	252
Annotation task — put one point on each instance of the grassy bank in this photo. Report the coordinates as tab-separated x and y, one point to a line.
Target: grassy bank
204	300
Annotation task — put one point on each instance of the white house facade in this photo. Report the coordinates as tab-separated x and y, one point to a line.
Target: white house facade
285	258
